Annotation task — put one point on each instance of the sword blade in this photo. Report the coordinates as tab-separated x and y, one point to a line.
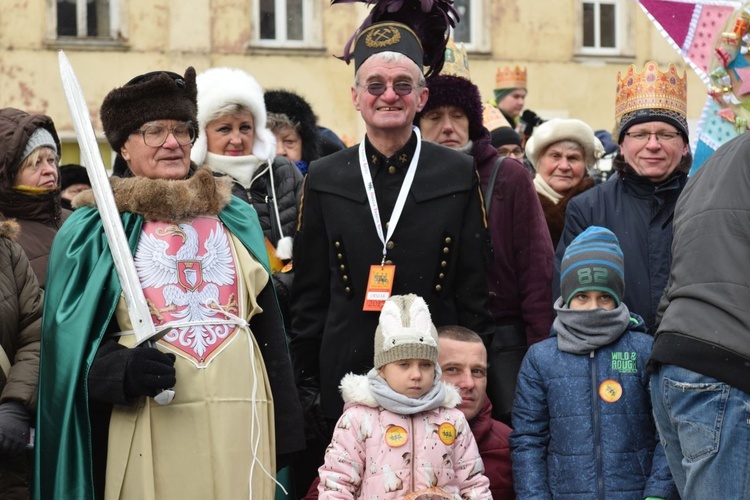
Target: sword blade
135	301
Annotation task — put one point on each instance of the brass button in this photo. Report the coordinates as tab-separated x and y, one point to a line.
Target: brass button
339	256
390	245
446	250
347	289
438	288
448	240
391	169
387	224
389	262
443	264
337	244
441	276
342	267
345	278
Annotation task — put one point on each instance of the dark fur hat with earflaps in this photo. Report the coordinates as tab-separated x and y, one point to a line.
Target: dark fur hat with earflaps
427	26
158	95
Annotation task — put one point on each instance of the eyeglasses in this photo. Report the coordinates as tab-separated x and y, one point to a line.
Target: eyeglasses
514	152
662	136
378	88
156	135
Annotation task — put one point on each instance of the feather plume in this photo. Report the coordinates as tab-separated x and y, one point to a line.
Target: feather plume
430	20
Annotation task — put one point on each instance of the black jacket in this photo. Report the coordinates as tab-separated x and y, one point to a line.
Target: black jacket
437	249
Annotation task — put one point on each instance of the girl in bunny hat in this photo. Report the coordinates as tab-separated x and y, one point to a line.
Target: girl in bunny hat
400	435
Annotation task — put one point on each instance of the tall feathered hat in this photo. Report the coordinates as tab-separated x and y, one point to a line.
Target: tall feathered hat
418	29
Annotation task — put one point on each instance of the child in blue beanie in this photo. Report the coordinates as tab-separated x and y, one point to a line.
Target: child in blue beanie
583	426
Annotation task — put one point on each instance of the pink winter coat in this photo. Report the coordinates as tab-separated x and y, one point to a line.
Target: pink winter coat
376	453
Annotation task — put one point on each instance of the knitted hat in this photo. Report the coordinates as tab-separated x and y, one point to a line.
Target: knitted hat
299	111
405	331
159	95
40	137
505	135
73	174
218	87
449	90
593	261
561	129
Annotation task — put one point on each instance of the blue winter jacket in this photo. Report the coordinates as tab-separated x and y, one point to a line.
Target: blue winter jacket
640	213
583	427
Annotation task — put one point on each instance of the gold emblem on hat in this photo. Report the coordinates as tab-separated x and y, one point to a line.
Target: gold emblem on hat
384	36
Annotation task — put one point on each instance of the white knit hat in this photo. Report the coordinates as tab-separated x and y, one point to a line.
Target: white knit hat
40	137
405	331
561	129
218	87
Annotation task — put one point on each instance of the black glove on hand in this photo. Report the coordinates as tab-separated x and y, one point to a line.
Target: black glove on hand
14	428
316	426
149	371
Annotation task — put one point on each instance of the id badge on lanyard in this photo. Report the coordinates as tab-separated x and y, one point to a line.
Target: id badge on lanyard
380	281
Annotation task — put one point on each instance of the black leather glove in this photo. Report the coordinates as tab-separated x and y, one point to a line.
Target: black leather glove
316	426
14	428
148	371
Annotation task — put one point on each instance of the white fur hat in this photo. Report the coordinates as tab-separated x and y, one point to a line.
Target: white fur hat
405	331
218	87
561	129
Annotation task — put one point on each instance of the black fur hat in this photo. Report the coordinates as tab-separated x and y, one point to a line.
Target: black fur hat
298	110
450	90
159	95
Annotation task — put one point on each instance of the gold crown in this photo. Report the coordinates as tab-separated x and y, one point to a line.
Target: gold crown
492	118
651	89
456	60
510	78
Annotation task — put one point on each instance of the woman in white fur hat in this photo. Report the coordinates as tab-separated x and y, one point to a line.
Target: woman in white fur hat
562	151
233	140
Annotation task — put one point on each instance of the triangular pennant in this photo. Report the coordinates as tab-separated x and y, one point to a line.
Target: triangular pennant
673	17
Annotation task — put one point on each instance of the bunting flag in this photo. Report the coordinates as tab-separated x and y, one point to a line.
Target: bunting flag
712	37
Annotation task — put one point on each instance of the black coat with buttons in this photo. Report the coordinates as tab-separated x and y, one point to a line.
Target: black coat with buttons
437	248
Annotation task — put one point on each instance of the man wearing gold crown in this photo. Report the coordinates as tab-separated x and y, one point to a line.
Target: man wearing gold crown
520	276
638	205
510	92
393	215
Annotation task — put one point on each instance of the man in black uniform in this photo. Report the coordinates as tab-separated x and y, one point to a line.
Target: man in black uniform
392	215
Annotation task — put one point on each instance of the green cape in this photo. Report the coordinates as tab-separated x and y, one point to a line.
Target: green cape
80	299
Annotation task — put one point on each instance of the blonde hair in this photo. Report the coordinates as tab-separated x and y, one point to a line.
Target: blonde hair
34	156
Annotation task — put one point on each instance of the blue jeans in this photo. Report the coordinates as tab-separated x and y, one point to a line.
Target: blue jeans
704	426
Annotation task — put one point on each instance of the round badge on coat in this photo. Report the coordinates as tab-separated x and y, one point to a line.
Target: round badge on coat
447	433
396	436
610	390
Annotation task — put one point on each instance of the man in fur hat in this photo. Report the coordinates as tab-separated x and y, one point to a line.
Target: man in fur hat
202	265
392	215
520	277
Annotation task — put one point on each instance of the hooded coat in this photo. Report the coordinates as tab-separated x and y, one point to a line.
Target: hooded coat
364	460
40	216
569	443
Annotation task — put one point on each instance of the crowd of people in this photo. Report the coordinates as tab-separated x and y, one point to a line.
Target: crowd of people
451	308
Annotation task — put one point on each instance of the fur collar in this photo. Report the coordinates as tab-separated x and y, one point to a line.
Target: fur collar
166	200
9	229
356	389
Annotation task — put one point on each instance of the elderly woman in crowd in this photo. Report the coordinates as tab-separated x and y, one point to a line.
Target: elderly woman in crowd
29	183
562	151
203	269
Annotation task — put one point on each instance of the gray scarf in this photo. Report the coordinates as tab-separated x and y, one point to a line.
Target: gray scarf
580	332
404	405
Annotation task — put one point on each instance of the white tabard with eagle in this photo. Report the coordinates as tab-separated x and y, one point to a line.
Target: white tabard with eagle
188	275
203	444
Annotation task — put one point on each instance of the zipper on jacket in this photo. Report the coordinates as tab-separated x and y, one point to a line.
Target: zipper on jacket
413	456
597	427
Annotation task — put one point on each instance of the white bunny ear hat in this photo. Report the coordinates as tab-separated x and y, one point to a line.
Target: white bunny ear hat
405	331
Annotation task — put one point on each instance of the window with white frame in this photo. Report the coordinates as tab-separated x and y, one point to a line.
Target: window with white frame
602	27
287	23
86	19
470	29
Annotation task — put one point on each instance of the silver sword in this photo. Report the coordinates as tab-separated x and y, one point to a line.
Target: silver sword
135	301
